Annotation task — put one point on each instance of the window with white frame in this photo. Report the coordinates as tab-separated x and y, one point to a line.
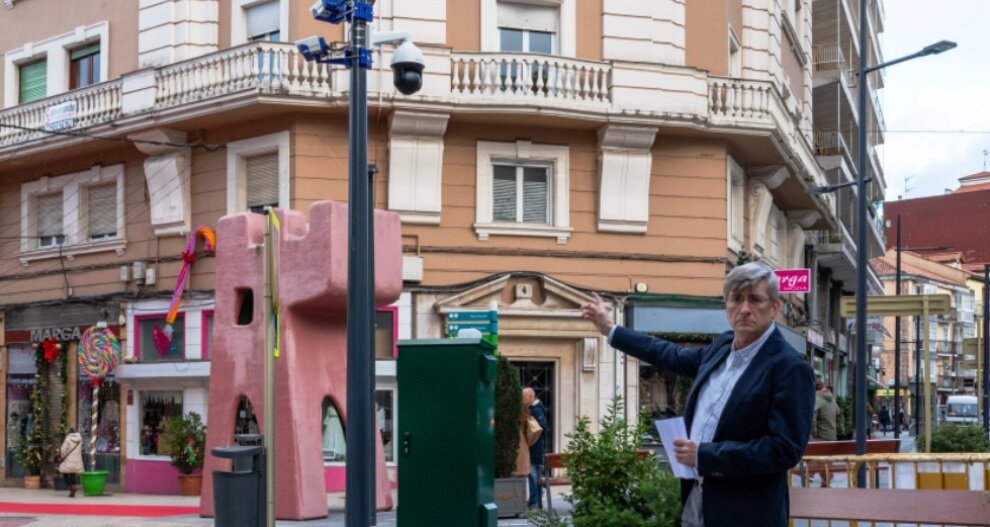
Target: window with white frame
736	203
48	217
529	26
33	81
522	190
101	209
258	173
735	56
258	20
84	66
55	64
83	212
776	236
262	181
263	21
520	193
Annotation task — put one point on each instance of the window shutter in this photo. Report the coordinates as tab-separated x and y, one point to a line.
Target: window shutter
50	215
535	193
262	180
103	210
85	51
34	81
262	19
525	16
504	193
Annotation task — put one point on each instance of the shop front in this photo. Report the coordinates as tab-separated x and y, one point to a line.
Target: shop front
160	380
46	394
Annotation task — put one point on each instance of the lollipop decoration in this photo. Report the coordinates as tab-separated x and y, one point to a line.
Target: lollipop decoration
163	337
100	352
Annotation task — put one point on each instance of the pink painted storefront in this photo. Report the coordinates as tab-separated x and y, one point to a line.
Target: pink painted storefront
162	385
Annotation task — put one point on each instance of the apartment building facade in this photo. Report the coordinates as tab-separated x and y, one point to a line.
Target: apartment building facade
558	147
836	54
948	372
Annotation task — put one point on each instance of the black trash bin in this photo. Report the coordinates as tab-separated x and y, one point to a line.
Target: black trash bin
234	492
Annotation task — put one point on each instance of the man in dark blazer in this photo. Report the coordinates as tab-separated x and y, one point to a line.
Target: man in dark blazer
749	411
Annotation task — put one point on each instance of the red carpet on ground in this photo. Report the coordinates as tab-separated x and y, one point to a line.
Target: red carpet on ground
71	509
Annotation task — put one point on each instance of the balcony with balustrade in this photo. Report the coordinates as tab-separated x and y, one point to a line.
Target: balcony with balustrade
265	78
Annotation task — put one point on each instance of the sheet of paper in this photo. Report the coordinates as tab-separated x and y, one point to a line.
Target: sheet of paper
671	429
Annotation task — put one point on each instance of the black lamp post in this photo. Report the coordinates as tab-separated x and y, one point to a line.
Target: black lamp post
861	355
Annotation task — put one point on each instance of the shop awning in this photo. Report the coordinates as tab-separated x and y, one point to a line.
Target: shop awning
651	313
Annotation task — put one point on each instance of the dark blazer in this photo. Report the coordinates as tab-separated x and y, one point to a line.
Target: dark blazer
539	412
762	433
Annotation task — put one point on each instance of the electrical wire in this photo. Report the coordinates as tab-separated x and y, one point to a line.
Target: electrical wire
71	133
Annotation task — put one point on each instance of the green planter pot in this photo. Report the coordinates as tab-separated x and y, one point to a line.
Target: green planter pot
93	482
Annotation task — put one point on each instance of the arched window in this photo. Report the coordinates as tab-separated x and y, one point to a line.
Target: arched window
334	446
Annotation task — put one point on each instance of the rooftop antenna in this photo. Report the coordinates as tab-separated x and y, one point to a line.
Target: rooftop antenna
906	187
986	153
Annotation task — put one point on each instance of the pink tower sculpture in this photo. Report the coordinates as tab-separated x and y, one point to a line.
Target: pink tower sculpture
312	285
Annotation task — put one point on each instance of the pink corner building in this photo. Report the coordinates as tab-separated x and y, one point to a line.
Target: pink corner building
312	286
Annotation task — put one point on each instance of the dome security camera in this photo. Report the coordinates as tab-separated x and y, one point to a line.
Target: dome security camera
407	68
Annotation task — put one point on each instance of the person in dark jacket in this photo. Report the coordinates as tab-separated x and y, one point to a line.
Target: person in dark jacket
536	458
749	411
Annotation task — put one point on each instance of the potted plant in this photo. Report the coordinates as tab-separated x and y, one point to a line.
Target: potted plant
510	490
186	438
31	455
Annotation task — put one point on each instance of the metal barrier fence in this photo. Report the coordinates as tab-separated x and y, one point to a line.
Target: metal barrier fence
901	490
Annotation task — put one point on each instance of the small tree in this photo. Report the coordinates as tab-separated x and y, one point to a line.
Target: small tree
186	438
508	406
613	484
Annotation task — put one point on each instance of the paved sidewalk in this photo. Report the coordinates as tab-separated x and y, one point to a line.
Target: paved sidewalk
335	506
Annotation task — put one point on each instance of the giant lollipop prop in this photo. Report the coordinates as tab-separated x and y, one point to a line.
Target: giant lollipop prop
100	351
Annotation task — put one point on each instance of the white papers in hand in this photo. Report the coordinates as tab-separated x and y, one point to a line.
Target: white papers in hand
671	429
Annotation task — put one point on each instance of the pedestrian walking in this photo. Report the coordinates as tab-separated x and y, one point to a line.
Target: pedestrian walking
71	464
536	446
749	411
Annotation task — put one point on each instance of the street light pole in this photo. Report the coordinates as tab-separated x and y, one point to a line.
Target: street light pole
861	355
861	257
897	342
986	348
360	469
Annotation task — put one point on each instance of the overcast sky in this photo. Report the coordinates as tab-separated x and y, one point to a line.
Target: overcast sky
948	92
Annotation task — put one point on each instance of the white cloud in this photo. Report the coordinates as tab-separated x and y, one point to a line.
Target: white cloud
948	92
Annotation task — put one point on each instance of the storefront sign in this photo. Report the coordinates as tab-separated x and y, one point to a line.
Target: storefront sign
794	280
872	324
68	333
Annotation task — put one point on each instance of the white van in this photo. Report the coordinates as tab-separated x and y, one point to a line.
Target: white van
961	409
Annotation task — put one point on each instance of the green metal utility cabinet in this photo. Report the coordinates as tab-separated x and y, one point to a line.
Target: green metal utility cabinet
446	433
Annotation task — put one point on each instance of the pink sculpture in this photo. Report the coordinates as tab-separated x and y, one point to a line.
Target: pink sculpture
312	281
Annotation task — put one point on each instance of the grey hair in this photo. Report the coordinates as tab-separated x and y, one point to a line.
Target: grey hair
748	275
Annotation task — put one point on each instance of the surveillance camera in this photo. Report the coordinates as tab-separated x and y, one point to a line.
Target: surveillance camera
313	48
329	10
407	68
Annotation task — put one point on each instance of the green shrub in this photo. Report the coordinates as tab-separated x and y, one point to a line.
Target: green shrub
186	438
612	484
955	439
508	408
